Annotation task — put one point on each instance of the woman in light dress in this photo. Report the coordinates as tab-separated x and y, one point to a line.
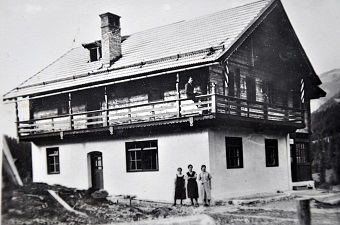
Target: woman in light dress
205	180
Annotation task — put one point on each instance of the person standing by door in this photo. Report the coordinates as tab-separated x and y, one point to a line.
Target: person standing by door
205	179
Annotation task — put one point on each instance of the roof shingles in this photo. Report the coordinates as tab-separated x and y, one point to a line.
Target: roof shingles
221	28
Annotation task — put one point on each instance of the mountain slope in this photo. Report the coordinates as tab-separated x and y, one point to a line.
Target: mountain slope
330	84
326	120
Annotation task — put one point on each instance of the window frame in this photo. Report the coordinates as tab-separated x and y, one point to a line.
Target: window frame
231	84
237	80
302	152
251	88
95	54
231	142
155	91
52	159
143	147
272	151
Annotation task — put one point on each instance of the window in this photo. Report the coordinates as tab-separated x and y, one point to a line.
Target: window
238	83
95	54
98	163
234	152
251	88
231	85
53	160
156	92
142	156
302	152
272	156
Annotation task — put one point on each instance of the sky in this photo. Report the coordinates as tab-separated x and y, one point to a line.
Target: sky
34	33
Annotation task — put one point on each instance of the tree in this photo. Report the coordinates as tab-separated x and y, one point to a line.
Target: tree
326	143
21	153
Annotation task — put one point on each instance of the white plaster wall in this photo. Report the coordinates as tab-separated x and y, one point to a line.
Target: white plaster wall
176	150
254	177
73	165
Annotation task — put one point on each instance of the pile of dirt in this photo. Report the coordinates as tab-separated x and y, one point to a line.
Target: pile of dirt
32	204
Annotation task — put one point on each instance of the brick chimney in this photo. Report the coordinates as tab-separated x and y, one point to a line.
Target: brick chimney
111	38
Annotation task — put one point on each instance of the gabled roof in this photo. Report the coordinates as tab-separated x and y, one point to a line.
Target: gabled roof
186	43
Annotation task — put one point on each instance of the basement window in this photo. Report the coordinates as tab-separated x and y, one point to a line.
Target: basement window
53	160
272	155
142	156
95	54
234	152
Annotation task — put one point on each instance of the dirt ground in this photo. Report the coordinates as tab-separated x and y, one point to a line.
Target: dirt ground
32	204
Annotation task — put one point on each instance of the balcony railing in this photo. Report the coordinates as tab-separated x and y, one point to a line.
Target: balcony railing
211	104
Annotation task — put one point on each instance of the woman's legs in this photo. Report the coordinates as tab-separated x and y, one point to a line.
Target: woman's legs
174	201
205	199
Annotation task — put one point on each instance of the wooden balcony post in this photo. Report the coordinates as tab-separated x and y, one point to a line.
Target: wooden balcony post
153	117
286	118
129	115
30	109
31	115
70	110
178	97
106	107
213	98
52	124
305	117
17	116
265	111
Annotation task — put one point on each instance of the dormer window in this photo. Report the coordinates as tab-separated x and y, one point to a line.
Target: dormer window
95	54
95	50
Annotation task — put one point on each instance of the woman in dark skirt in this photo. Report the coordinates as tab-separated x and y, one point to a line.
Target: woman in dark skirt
179	186
192	185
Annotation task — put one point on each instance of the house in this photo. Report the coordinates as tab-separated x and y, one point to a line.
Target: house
113	113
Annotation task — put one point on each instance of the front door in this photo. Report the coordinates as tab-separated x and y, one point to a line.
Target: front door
96	159
300	158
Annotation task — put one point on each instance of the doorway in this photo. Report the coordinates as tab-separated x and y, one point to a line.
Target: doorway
96	165
300	157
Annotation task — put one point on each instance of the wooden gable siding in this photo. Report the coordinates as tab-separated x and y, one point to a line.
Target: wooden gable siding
266	88
239	75
263	68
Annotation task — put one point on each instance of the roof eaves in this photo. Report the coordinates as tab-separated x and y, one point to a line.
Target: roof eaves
18	87
145	74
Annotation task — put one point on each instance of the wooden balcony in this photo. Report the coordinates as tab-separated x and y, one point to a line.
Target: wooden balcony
209	106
